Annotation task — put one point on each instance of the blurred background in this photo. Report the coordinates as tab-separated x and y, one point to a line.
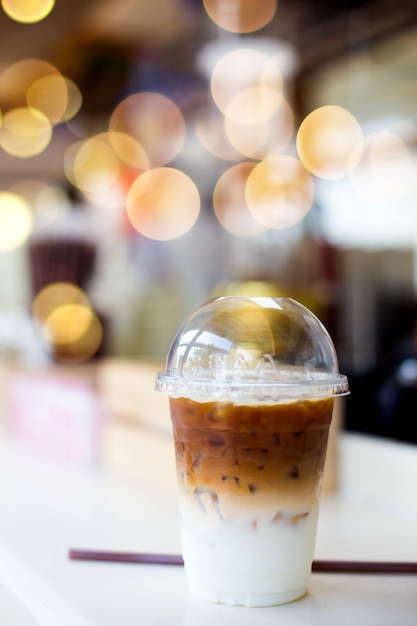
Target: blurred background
156	153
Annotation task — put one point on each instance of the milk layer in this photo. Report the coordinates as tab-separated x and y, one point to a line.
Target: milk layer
252	559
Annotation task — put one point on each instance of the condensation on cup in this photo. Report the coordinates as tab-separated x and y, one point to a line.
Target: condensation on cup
251	385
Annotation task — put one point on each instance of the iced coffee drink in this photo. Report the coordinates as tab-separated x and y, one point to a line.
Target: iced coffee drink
250	429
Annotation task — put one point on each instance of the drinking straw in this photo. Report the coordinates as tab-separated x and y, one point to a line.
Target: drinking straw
318	566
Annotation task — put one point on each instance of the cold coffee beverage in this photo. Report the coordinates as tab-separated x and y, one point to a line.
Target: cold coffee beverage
249	482
251	384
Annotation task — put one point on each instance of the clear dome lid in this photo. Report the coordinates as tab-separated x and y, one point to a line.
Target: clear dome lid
246	349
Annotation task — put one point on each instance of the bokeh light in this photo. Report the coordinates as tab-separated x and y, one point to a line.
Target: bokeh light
25	132
92	164
329	142
101	166
211	132
129	150
385	170
16	221
279	192
241	16
254	104
74	100
74	332
111	200
229	202
49	94
84	333
246	74
67	323
55	295
258	139
16	79
27	11
70	328
34	97
163	203
154	121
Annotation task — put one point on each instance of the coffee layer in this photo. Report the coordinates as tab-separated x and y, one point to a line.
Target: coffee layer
224	449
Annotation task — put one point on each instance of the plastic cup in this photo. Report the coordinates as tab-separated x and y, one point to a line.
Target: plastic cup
251	384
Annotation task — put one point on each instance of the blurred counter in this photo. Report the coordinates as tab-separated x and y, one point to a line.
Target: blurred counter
51	503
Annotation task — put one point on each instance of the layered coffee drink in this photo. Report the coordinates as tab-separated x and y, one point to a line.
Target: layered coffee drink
251	384
249	481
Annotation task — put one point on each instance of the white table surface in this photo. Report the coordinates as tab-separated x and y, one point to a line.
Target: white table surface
49	506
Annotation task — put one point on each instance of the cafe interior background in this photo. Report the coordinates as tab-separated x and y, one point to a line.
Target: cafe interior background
157	153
